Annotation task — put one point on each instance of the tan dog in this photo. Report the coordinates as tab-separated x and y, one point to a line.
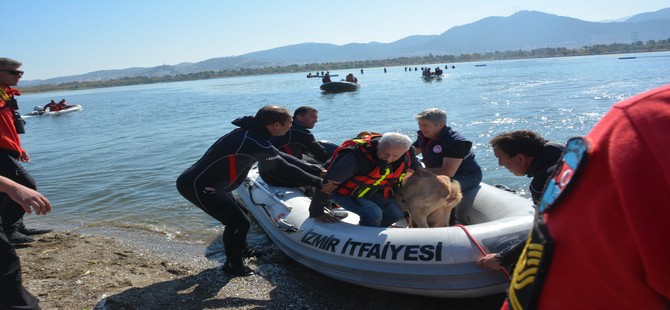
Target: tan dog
429	199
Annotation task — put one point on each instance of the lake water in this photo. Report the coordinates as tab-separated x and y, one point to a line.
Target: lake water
114	164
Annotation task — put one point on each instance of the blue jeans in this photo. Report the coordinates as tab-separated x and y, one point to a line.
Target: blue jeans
375	211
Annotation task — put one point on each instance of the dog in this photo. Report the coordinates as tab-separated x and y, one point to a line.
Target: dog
429	199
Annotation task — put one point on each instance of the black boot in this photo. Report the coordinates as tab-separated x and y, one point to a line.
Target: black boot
19	238
31	231
20	227
238	271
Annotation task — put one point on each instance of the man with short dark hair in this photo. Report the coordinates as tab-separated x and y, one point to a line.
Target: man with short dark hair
522	152
299	140
600	240
209	182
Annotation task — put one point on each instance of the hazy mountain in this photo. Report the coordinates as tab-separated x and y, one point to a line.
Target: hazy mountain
529	30
660	14
524	30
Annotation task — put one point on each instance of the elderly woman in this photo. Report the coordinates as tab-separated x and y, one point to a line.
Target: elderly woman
445	151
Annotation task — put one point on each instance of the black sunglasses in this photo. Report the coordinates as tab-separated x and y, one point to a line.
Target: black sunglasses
13	72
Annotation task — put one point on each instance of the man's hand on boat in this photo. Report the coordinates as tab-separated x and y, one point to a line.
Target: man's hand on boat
490	262
329	186
326	218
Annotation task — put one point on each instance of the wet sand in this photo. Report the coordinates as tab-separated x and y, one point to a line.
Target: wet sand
87	269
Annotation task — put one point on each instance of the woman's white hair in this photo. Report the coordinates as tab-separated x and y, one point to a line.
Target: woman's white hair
395	140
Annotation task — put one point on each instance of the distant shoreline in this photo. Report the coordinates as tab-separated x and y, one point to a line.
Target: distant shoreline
612	49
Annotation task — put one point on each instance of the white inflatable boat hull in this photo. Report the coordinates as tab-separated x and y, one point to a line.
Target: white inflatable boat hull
72	108
437	262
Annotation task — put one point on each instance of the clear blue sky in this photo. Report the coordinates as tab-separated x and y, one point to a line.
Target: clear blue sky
69	37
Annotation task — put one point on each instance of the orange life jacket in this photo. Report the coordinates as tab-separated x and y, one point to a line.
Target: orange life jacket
383	177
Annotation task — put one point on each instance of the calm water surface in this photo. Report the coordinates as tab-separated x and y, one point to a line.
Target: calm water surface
115	163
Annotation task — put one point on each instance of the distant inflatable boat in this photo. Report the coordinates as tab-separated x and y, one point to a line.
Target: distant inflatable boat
338	87
628	57
319	76
38	110
437	262
432	77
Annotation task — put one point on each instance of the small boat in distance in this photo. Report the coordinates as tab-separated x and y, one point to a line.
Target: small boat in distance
480	65
316	75
339	87
38	110
432	77
628	57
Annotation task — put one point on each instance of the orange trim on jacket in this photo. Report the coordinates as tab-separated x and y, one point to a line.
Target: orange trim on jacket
383	178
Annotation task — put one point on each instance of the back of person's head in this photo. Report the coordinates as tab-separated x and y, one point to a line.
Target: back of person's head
302	110
434	115
9	63
271	114
526	142
395	140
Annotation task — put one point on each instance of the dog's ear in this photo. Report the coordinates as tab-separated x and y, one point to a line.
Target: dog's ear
443	185
456	194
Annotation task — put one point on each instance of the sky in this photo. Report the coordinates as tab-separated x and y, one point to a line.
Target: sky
71	37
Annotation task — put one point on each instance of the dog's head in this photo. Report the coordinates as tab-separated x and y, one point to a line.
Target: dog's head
429	199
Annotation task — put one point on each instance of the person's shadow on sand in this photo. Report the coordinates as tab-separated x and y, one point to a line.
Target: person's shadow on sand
200	291
191	292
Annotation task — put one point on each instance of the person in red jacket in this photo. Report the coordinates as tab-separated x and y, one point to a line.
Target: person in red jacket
600	241
11	152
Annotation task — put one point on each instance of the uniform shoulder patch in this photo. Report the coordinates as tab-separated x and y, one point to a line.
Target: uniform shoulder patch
573	158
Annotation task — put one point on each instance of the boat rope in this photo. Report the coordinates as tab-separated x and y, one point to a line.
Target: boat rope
480	247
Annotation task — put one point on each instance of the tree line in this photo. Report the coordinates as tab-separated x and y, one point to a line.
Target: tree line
598	49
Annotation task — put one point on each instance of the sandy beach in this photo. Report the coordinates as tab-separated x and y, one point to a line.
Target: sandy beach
84	270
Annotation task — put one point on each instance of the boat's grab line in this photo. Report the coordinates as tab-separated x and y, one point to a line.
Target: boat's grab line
480	247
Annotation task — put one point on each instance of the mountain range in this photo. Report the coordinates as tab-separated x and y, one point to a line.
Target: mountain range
524	30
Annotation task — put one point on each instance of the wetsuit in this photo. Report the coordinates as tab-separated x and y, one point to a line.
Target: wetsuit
600	241
541	169
209	182
374	209
12	292
299	141
451	144
296	142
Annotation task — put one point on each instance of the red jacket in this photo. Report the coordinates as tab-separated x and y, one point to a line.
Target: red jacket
9	139
610	224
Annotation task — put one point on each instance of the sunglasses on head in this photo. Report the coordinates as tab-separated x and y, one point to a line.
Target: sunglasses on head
13	72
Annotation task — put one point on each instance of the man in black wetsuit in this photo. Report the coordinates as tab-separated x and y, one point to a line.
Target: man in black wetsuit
209	182
298	141
523	152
